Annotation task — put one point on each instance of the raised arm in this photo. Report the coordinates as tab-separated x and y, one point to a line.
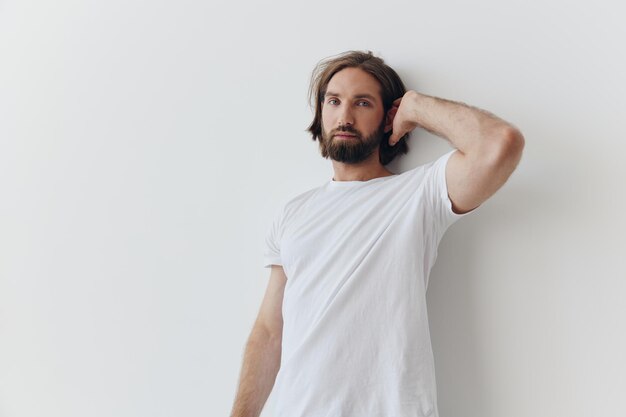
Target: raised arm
263	350
489	148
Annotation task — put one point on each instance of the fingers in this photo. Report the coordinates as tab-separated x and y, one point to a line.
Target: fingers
393	139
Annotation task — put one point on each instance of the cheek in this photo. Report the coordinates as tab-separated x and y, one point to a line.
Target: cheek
326	121
377	122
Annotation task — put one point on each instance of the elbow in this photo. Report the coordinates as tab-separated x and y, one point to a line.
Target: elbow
264	335
514	140
507	147
514	145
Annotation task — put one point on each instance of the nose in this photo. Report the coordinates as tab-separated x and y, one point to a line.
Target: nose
345	117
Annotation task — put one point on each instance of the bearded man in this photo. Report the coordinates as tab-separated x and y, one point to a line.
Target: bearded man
342	330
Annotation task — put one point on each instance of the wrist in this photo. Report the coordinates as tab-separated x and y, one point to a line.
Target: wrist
417	105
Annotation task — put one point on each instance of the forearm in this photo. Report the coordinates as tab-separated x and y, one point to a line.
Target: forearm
258	373
471	130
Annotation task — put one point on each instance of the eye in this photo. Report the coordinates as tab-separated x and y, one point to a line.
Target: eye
365	103
331	100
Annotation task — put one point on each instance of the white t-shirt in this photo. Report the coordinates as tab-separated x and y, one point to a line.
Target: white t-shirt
357	255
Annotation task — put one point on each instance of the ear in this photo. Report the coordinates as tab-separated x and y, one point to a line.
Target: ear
389	120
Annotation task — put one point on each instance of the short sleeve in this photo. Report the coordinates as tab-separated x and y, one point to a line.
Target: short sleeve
437	193
271	255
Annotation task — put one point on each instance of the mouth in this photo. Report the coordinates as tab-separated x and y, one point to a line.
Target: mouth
344	136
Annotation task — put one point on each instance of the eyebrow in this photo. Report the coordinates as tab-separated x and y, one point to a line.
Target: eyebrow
369	96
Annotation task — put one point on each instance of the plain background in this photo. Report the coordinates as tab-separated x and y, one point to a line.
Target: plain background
145	146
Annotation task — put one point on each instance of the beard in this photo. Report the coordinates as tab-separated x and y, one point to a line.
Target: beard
352	150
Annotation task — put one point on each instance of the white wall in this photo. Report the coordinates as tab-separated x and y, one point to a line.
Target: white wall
144	147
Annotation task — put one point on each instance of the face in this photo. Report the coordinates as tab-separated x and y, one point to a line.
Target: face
352	116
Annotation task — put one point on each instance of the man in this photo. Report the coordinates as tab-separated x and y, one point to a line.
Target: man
343	327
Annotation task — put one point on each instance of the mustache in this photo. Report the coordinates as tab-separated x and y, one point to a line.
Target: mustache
347	129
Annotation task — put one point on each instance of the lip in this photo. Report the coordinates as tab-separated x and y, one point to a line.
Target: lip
344	135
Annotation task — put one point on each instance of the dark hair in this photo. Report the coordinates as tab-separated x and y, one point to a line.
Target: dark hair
391	89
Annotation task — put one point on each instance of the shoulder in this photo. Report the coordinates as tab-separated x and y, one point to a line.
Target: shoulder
302	197
440	162
429	169
295	202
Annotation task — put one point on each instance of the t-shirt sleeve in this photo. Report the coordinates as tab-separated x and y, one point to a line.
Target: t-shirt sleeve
271	254
437	190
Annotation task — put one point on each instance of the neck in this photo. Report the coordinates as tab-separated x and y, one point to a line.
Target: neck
362	171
